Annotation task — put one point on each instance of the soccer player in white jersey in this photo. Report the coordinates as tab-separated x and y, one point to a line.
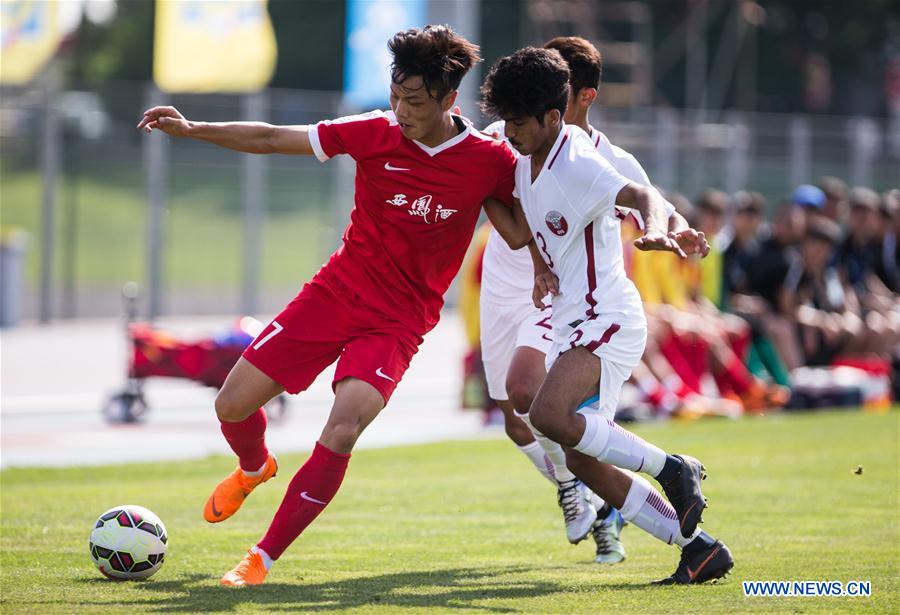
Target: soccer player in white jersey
515	334
568	193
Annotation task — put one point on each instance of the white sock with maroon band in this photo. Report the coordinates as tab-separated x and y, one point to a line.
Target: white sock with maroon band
647	509
536	455
554	452
610	443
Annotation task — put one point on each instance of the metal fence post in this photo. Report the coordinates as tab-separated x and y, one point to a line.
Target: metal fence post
865	141
253	194
664	148
156	161
800	151
737	163
51	151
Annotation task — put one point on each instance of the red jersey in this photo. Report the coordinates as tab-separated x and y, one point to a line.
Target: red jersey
415	210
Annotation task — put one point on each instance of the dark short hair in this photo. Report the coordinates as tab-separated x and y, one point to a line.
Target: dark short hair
436	53
712	200
584	60
530	82
823	229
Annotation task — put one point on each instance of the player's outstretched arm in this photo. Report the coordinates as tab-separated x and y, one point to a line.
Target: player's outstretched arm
247	137
509	221
651	204
689	239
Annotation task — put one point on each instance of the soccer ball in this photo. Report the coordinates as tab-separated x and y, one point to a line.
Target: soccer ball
128	542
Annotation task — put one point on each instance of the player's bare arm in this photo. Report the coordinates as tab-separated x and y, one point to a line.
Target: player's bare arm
509	221
247	137
691	240
651	205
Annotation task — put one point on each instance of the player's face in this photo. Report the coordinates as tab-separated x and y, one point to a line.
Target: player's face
529	136
417	112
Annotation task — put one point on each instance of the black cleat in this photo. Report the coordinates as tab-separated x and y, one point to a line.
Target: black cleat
712	561
685	495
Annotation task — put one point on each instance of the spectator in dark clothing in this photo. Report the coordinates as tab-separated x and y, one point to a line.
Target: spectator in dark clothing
856	253
887	233
741	244
769	267
766	272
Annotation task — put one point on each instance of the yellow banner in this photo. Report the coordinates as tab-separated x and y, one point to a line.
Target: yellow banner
213	46
29	36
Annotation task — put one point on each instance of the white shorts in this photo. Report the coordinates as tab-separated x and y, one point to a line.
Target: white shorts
619	348
505	327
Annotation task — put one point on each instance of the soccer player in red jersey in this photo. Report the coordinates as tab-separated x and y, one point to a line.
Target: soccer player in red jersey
422	174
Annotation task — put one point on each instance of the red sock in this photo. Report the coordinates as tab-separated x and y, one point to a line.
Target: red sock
672	350
309	493
741	343
248	440
738	376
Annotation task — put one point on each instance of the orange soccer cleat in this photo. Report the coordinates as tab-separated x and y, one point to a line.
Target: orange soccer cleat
250	571
228	495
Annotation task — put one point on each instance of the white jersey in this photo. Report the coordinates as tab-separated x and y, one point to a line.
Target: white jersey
570	208
508	274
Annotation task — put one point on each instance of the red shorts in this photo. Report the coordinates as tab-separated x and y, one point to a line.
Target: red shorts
328	322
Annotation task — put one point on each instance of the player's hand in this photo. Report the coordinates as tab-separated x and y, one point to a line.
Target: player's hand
657	240
544	284
691	241
166	119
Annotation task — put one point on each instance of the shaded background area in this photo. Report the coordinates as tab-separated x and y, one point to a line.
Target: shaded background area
739	95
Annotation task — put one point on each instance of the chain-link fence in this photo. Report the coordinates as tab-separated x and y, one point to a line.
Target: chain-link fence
208	230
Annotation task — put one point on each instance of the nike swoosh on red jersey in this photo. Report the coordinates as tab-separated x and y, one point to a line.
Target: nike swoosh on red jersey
389	167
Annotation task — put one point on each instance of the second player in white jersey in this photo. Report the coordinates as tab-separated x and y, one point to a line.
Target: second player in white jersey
509	318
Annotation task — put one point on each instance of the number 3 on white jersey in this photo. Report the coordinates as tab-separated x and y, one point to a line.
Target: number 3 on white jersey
276	329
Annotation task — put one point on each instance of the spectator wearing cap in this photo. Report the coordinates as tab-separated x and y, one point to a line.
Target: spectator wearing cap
835	205
810	198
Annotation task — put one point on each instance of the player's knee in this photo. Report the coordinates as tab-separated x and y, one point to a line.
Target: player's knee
341	436
521	394
228	408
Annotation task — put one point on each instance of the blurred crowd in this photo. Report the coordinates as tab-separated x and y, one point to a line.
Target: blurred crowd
797	305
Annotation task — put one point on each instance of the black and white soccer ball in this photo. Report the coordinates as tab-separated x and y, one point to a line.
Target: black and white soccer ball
128	542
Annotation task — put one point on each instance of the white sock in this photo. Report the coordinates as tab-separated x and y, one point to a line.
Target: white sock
554	452
257	472
611	444
536	454
267	561
650	511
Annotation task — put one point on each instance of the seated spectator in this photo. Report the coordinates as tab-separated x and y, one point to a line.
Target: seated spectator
855	254
887	233
741	244
835	206
826	316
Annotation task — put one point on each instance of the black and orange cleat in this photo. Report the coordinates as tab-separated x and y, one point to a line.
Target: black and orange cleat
703	559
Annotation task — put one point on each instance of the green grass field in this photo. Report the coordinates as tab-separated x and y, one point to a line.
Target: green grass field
471	527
